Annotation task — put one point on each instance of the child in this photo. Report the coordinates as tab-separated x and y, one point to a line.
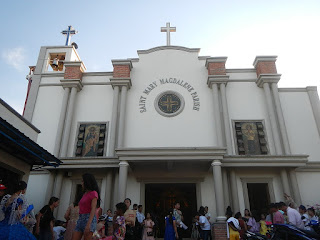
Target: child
263	225
119	224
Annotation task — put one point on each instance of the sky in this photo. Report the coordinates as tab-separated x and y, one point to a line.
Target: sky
116	29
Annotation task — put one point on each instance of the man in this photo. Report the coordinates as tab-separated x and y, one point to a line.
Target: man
277	216
208	216
294	217
2	191
130	218
304	216
135	207
179	219
139	222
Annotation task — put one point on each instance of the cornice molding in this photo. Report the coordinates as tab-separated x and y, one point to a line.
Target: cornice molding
267	78
121	82
215	60
217	79
160	48
92	74
258	59
69	83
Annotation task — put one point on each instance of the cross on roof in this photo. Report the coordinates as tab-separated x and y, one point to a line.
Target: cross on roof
69	32
168	29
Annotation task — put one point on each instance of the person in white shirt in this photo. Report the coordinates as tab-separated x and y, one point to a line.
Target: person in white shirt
312	214
204	224
304	217
294	216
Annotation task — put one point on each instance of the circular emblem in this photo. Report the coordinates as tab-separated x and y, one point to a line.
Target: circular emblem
169	103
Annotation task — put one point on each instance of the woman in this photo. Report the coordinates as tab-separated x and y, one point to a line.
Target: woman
87	222
247	215
242	224
233	225
171	232
13	211
72	215
253	225
44	227
130	218
148	228
204	224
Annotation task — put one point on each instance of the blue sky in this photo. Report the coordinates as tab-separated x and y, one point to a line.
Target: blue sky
114	29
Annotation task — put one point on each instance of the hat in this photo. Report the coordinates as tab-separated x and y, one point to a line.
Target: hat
2	187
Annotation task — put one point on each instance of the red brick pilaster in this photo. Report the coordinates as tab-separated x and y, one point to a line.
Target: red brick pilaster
73	70
216	65
219	231
265	65
121	68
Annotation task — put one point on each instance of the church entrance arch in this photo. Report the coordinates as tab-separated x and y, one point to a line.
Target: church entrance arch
160	198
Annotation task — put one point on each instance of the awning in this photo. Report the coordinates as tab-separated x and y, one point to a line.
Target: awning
20	146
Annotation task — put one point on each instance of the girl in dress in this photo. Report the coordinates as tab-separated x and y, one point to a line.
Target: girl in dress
119	222
148	228
233	225
171	232
13	210
242	224
263	225
72	215
87	222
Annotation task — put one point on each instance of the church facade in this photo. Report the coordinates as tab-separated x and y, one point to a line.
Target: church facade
172	125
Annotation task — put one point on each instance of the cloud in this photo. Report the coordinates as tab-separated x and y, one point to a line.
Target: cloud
15	57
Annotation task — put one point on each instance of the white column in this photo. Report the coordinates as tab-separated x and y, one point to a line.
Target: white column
50	186
282	125
67	125
108	191
226	119
285	181
234	191
218	187
272	117
216	107
57	188
103	193
123	176
295	186
315	104
122	116
114	120
61	121
225	188
116	190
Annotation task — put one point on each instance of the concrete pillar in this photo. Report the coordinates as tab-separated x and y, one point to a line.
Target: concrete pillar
114	119
217	119
226	120
49	190
122	116
57	188
218	187
285	182
282	126
108	192
315	104
234	191
273	122
225	188
103	193
116	190
123	176
63	112
68	121
295	187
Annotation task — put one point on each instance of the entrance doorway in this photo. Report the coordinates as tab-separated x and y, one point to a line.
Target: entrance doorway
259	198
160	198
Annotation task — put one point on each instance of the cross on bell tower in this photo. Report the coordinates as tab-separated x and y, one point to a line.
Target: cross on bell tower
168	29
69	32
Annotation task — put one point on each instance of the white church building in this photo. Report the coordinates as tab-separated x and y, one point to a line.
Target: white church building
172	125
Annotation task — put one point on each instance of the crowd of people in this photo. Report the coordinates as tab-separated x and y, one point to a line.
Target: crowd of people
279	213
84	218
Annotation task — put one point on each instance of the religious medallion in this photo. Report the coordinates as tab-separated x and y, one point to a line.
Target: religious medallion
169	103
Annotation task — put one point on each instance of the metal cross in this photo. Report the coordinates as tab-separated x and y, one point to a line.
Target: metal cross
168	29
69	32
